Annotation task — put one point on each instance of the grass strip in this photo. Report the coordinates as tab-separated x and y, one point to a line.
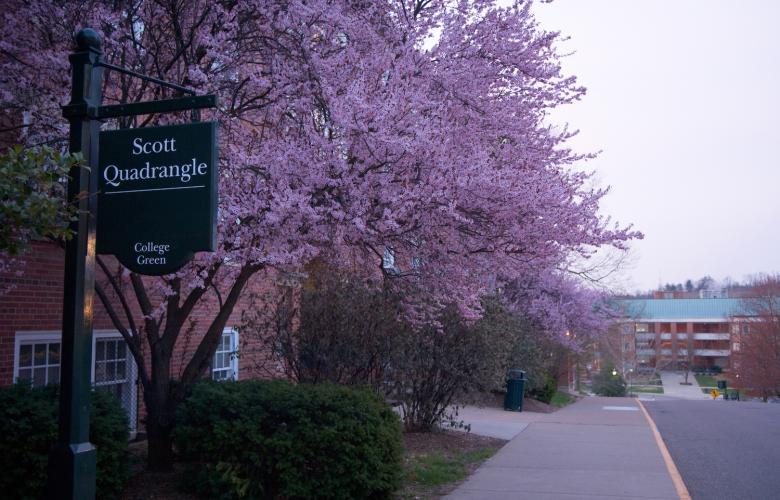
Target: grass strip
437	469
561	399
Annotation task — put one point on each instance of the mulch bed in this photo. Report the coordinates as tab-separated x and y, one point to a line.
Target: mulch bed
145	485
448	443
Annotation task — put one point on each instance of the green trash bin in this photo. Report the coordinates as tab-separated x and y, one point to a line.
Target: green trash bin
515	387
723	388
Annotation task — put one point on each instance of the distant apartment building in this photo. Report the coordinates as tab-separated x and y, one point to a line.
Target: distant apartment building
674	330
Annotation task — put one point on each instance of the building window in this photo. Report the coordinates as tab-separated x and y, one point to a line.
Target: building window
224	365
736	346
642	328
37	359
388	261
111	373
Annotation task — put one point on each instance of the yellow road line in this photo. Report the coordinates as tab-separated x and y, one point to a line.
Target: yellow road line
679	485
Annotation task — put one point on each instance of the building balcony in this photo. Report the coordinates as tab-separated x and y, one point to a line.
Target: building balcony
669	336
645	352
718	353
679	353
645	336
711	336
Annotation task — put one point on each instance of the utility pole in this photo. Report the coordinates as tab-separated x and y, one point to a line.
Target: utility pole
72	461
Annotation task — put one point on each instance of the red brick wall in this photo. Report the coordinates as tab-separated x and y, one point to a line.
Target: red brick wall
32	301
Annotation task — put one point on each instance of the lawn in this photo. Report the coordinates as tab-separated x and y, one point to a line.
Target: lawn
706	381
436	462
561	399
651	389
438	469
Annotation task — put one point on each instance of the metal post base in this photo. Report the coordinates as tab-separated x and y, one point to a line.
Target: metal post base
67	462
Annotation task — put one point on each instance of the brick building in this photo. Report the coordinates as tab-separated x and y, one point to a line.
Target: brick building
674	331
31	322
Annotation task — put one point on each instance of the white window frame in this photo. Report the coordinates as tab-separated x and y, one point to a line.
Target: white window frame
234	354
34	337
132	372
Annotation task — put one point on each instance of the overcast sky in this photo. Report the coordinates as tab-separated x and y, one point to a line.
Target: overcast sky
683	99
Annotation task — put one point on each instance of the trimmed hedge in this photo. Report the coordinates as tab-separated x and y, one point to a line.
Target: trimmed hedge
274	439
28	430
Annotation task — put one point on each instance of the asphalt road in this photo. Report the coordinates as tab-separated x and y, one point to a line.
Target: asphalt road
723	449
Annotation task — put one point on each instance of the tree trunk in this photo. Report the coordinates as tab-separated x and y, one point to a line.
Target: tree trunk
160	410
160	441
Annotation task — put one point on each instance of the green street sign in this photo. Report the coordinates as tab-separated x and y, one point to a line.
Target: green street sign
157	195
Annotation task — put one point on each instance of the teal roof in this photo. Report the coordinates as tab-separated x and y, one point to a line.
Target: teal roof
681	309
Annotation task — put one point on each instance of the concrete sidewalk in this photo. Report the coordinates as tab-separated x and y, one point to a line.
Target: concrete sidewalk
496	422
672	386
595	448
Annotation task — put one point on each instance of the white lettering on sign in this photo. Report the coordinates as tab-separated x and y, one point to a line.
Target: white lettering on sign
151	247
150	260
164	146
115	176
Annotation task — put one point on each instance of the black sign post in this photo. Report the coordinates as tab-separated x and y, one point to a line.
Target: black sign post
158	188
72	460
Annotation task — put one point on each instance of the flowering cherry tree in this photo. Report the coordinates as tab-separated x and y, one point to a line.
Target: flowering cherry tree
347	130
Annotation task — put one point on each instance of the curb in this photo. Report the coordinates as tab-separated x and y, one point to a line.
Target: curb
679	485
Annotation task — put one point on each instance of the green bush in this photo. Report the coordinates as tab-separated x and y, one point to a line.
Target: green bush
28	430
606	384
261	439
545	392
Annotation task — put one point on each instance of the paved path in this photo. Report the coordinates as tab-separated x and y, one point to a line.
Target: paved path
595	448
496	422
723	449
672	386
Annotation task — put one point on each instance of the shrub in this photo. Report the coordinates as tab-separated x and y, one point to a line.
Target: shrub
606	384
28	430
545	392
433	366
261	439
340	330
